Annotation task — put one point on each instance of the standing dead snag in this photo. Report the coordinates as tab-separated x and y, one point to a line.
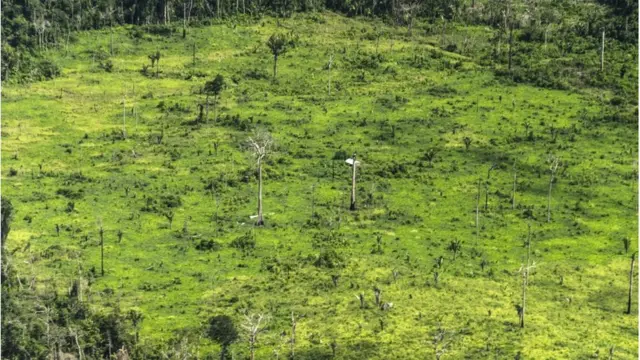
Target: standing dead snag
525	279
329	68
554	163
602	53
633	263
124	116
101	231
260	145
353	163
486	195
478	212
252	326
515	178
293	335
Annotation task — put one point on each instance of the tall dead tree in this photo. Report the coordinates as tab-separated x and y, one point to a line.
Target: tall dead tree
486	194
633	263
253	327
515	179
478	211
101	232
354	164
329	68
554	163
260	144
602	53
525	278
124	117
293	335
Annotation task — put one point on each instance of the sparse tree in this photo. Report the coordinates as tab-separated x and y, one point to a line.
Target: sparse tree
260	144
467	142
213	88
429	155
277	44
455	246
136	318
169	215
222	330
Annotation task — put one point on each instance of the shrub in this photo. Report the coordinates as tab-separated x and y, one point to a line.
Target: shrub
245	242
207	245
328	258
47	70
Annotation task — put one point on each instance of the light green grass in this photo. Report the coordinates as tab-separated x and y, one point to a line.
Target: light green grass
433	205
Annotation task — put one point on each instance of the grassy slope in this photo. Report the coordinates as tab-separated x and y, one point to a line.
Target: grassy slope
593	205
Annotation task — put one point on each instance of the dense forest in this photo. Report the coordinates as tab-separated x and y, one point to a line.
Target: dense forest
30	28
480	136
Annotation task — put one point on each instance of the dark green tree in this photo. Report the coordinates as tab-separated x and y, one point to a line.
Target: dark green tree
213	88
277	44
223	331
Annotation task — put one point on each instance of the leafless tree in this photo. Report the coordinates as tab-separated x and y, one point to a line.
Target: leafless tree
260	144
354	164
293	335
101	232
329	68
526	268
554	164
602	53
408	9
478	211
253	327
515	178
633	261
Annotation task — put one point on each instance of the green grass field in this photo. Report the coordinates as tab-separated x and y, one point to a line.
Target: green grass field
66	163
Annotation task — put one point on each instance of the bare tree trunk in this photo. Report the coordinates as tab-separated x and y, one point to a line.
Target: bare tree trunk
478	213
633	260
124	117
215	108
444	31
275	66
194	54
101	251
330	63
206	117
515	177
549	199
218	8
510	43
293	335
525	279
260	219
353	184
602	53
